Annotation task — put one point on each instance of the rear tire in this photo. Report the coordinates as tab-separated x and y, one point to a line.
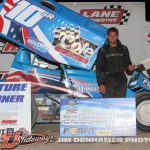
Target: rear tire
143	111
34	112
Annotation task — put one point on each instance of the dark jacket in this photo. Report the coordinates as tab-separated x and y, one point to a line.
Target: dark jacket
111	64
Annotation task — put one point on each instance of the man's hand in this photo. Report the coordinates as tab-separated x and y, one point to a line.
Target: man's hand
131	67
102	89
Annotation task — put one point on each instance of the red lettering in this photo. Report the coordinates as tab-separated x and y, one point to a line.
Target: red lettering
104	16
6	140
9	121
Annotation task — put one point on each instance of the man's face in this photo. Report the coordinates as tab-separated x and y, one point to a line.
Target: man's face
112	37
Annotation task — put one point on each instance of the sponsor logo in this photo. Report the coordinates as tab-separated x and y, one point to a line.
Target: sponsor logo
108	15
68	42
12	140
82	131
146	82
114	55
35	44
71	107
92	87
6	122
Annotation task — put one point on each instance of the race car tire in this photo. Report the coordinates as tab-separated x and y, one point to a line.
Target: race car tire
143	111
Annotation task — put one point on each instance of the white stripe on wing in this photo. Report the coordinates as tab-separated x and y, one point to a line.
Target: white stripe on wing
6	26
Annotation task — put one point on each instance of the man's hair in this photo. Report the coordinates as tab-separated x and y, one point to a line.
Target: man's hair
112	29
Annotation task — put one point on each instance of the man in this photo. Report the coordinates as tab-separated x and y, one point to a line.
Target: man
112	62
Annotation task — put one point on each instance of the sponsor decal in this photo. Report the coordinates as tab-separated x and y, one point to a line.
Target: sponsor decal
114	55
146	82
90	87
6	130
112	14
6	47
10	122
74	131
35	44
12	140
68	42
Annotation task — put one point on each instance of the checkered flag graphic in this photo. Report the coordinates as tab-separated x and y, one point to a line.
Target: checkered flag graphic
126	13
125	17
113	7
67	35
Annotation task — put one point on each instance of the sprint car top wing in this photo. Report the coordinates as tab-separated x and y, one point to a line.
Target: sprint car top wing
52	31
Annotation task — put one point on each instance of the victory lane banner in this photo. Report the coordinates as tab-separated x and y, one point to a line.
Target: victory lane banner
98	117
15	107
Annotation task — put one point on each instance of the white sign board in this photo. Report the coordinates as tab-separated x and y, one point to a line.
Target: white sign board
98	117
15	107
